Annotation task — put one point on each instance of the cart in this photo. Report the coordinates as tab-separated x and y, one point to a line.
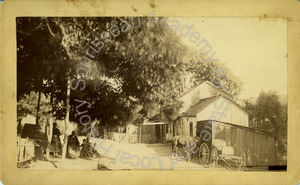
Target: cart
236	147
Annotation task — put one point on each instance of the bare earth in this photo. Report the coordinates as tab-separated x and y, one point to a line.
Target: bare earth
123	156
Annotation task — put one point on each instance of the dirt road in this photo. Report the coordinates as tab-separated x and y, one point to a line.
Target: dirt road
146	157
124	156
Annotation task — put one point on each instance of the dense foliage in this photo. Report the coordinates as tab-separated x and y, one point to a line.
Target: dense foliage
137	73
271	114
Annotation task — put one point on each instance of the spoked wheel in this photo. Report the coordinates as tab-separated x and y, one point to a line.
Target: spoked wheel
214	157
242	162
204	153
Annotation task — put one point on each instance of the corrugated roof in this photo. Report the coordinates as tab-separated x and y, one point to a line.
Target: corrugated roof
202	104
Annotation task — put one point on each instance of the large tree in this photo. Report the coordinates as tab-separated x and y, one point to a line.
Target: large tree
41	61
272	114
270	110
134	75
145	62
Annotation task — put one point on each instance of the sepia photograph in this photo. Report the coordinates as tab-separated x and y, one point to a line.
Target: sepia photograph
151	93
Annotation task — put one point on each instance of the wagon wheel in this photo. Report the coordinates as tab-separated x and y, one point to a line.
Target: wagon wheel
242	162
214	157
204	153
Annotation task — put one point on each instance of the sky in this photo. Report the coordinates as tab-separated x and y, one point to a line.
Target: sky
254	49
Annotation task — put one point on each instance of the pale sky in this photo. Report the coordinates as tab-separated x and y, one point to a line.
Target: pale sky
255	50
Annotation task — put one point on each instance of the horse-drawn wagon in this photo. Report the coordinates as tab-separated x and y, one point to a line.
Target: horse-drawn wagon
235	146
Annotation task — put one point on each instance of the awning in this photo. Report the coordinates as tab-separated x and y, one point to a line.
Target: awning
154	123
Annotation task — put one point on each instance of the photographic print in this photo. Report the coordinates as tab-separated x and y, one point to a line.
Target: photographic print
151	93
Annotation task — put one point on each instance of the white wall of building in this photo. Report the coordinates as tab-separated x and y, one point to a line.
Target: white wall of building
191	98
183	126
231	113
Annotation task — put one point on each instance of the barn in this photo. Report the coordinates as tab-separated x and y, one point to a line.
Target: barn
212	115
206	102
217	108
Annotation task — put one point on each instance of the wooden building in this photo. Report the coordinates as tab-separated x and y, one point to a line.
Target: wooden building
206	102
223	126
156	130
198	104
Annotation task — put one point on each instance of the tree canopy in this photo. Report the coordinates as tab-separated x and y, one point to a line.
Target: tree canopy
137	73
271	113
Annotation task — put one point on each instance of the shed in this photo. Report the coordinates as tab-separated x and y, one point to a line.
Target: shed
156	129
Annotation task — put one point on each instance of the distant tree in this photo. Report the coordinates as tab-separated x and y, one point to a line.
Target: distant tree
249	107
273	115
27	105
268	107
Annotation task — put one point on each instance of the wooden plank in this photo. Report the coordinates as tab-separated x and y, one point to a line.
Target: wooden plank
228	134
239	140
233	137
244	140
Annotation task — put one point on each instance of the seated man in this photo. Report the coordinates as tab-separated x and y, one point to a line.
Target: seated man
87	150
73	145
90	149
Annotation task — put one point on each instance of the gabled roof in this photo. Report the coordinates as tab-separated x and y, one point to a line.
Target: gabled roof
198	107
203	103
210	84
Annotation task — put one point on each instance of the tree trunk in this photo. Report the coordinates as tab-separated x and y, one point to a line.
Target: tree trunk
49	127
64	149
38	108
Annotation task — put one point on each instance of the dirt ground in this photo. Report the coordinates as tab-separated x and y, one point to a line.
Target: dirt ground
124	156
